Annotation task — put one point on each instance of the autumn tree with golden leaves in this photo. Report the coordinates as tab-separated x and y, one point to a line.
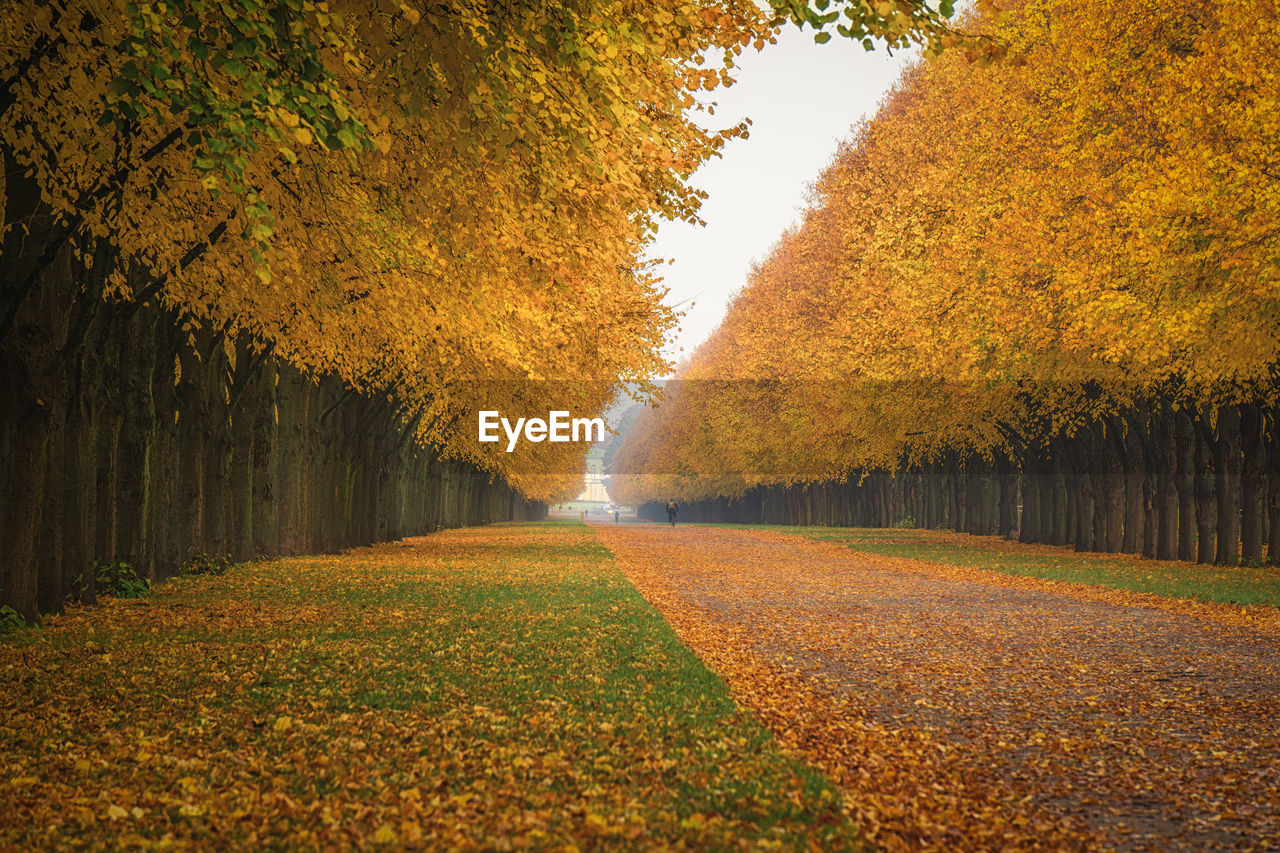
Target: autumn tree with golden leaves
264	262
1035	296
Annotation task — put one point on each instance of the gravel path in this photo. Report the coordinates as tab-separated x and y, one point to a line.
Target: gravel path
964	709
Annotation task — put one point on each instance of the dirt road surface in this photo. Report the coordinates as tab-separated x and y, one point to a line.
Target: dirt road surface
964	709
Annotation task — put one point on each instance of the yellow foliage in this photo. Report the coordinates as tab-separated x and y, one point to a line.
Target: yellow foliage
1032	243
490	231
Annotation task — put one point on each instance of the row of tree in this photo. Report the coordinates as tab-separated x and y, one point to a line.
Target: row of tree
375	217
1035	298
171	447
264	262
1111	489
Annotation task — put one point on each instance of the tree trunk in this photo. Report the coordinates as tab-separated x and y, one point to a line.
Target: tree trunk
1206	498
1184	481
1008	511
1253	481
1227	468
1058	483
1029	529
1166	492
26	435
1082	499
241	485
1113	491
79	484
1095	451
1134	493
1273	487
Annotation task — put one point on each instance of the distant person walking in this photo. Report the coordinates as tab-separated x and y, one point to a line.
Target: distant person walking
672	509
615	516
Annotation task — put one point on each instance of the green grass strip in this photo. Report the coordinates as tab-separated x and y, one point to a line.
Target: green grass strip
480	689
1225	584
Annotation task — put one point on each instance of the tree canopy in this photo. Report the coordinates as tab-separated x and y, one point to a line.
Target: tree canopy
1004	253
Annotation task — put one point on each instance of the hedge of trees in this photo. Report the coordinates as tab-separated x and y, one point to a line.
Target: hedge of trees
1178	489
1035	297
148	441
264	262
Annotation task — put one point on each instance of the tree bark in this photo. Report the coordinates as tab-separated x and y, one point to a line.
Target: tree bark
1206	497
1113	491
1134	476
1227	470
1273	487
1166	458
1253	483
1029	529
1184	481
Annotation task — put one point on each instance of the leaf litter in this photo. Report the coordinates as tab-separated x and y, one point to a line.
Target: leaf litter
502	688
962	709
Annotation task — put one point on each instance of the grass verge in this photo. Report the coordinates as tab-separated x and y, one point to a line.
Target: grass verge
500	688
1225	584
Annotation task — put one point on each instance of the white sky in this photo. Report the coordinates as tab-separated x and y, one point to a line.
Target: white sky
802	98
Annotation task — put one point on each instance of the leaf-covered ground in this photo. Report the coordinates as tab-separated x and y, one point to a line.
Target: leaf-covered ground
501	688
961	708
1245	585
